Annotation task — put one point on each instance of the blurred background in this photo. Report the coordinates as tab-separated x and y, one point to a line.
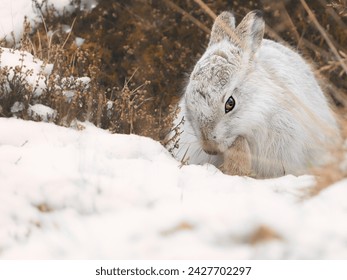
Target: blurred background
138	54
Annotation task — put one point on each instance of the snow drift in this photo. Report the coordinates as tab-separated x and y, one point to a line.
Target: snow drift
68	193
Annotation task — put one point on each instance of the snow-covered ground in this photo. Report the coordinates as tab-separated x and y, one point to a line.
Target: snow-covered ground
12	14
69	193
85	193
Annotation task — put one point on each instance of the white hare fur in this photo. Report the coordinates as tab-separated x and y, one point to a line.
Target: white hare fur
281	122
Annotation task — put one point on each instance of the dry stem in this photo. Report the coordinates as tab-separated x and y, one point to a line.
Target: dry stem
188	16
324	34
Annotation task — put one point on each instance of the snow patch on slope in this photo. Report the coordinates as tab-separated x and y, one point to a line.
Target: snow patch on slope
12	14
26	68
90	194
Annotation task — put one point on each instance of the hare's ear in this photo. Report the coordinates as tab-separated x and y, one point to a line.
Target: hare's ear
251	30
223	28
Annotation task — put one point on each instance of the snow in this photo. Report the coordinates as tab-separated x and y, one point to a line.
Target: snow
42	112
88	194
85	193
34	73
17	107
25	65
12	14
79	41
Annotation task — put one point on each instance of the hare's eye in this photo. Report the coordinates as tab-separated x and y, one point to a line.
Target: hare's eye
229	105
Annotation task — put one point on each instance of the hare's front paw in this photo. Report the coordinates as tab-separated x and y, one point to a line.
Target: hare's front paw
237	159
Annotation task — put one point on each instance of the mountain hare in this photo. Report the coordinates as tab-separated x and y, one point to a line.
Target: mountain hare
253	107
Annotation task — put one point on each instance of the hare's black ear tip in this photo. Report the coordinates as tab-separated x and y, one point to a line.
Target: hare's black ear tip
258	13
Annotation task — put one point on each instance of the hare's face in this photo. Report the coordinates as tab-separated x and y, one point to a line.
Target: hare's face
211	99
214	98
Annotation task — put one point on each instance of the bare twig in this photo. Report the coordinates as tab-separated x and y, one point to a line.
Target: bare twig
274	35
318	51
289	19
206	9
299	39
324	34
188	16
334	15
68	35
336	95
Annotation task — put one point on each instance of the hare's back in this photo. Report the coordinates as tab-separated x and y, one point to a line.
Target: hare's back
288	69
294	76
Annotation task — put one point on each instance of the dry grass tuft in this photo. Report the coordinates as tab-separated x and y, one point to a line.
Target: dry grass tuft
77	89
183	226
263	234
